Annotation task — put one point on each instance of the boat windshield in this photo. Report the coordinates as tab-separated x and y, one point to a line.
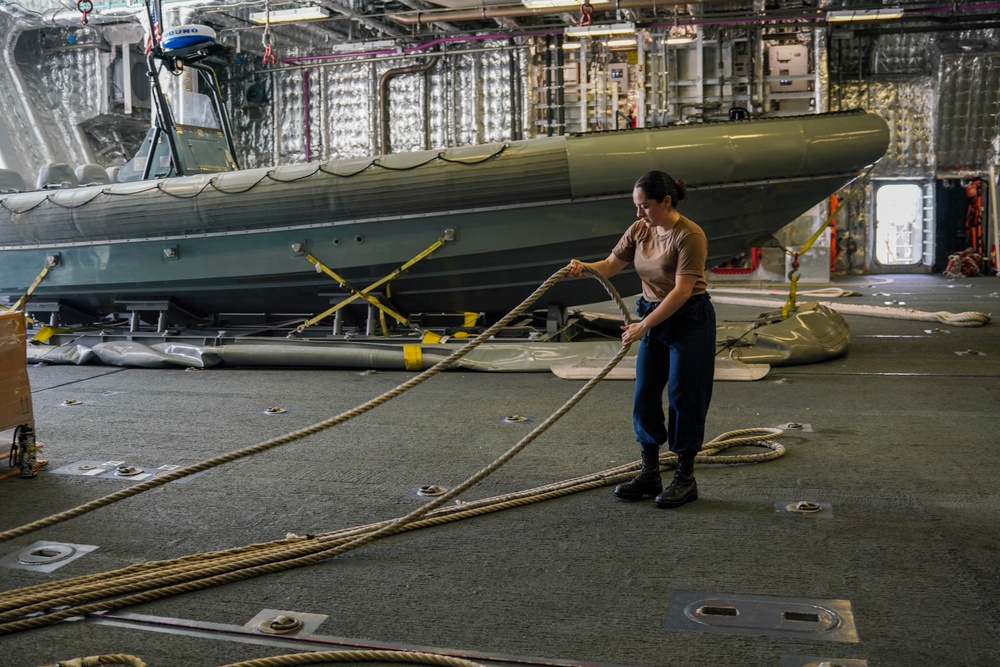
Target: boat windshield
195	110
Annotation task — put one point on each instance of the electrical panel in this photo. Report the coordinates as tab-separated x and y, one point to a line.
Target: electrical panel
742	62
618	73
786	62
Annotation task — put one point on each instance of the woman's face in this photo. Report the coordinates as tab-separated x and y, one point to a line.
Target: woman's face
650	211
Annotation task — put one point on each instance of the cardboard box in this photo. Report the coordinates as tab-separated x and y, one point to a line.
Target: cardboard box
15	391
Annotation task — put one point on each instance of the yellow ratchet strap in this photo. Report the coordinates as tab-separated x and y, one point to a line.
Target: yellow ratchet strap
31	289
364	293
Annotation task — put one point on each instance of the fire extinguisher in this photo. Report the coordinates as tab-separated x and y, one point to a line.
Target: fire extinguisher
23	451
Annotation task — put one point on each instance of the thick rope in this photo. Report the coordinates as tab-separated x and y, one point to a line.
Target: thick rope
88	588
356	656
969	318
150	581
828	292
293	659
314	428
295	556
100	660
965	319
306	556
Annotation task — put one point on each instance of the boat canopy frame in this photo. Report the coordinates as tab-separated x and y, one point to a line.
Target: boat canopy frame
163	138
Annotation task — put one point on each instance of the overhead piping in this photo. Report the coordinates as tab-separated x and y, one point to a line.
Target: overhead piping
510	11
519	11
407	51
383	97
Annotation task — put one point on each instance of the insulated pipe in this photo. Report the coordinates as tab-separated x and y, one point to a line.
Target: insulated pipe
383	97
512	11
549	103
306	119
560	85
43	150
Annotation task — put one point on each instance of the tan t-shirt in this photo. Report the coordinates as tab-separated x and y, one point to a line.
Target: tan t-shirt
659	257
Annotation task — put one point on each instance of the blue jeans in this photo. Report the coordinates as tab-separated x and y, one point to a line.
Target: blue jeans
679	355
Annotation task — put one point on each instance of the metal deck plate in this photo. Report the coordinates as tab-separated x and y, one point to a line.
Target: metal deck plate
825	620
249	634
426	492
804	508
795	427
284	623
44	556
128	472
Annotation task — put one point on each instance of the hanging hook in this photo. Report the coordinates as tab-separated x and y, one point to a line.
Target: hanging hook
85	7
586	13
269	57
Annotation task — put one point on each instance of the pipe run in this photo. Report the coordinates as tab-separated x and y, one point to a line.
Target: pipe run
408	51
417	18
510	11
383	97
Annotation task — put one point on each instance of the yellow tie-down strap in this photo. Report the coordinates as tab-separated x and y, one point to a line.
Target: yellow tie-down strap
364	293
413	357
20	303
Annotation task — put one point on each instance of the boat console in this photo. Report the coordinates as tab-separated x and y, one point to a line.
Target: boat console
191	132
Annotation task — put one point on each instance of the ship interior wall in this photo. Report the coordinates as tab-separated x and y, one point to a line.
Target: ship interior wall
68	98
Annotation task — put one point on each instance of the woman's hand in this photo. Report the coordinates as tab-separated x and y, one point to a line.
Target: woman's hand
633	332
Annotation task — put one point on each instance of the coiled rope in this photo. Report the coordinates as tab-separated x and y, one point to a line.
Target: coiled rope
46	604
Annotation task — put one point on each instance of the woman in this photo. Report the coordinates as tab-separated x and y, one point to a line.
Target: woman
676	333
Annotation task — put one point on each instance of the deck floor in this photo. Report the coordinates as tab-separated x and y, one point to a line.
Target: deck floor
899	447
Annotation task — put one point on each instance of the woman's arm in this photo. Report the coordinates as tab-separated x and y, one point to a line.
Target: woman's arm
606	267
683	286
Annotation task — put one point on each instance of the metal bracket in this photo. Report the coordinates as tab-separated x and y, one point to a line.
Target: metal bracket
168	311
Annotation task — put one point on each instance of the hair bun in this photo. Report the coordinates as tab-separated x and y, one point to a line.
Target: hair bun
681	189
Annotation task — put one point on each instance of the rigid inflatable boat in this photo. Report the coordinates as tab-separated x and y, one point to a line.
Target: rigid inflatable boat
192	230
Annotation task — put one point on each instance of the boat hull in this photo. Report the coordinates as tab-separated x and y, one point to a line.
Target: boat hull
211	249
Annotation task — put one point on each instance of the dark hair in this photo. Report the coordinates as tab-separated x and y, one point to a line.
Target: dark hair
659	185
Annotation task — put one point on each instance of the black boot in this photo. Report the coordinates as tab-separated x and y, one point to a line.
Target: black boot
647	483
683	489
